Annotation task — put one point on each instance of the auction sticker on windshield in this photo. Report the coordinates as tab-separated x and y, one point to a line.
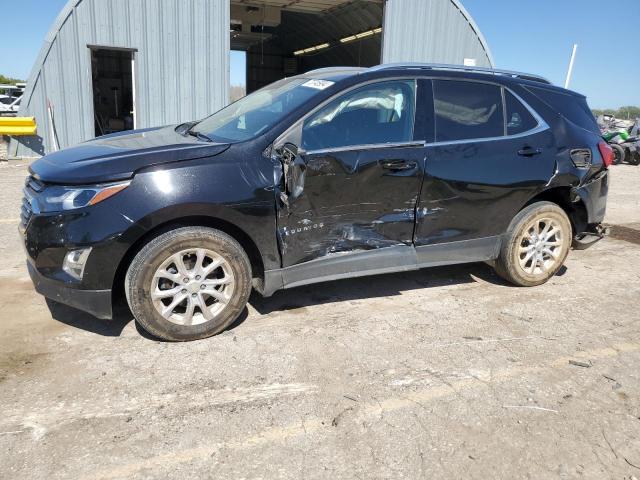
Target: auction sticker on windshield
318	84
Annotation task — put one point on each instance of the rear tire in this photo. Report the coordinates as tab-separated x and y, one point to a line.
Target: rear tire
535	245
189	283
619	153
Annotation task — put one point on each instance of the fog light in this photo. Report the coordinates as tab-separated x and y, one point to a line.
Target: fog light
75	261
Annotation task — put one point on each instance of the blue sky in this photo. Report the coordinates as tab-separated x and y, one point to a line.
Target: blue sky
537	36
529	35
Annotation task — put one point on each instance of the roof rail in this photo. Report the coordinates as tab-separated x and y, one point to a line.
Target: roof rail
334	69
461	68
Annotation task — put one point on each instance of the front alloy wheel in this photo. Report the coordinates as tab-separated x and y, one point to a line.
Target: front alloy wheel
188	283
192	287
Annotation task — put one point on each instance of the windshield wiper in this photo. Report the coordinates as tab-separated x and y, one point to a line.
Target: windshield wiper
199	135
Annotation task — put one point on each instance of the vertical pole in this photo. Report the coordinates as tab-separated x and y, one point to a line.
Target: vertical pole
573	58
52	128
134	113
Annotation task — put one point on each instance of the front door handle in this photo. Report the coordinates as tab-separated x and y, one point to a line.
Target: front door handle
529	152
398	165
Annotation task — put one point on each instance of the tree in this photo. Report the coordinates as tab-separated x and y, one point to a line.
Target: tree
9	81
628	112
623	113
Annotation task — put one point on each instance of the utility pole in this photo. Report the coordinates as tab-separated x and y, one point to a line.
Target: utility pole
573	58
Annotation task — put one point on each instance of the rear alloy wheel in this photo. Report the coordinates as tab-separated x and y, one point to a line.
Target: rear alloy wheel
189	283
536	245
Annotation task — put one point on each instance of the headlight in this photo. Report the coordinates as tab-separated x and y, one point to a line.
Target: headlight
57	198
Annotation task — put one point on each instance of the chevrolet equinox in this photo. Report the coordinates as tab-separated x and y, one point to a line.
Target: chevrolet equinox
337	173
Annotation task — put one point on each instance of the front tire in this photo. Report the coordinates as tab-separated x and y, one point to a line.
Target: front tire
189	283
535	245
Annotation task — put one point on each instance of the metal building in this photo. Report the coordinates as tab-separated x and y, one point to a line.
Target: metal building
112	65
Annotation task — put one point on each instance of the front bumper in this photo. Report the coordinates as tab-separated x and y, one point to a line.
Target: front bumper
49	237
95	302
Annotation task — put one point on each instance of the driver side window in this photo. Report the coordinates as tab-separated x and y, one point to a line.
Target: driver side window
378	113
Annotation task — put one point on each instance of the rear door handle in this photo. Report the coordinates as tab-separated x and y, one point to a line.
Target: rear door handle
529	152
398	165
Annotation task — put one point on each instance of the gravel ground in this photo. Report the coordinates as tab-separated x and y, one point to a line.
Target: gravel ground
442	373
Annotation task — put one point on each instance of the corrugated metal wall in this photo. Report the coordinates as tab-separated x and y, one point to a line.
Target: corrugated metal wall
182	64
182	58
434	31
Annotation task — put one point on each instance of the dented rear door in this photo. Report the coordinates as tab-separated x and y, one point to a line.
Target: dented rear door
492	153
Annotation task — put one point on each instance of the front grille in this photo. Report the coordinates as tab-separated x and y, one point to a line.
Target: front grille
32	186
25	210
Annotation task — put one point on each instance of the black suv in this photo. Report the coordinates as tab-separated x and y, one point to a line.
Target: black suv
336	173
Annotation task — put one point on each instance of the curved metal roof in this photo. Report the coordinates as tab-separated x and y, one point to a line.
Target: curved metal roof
46	48
475	28
170	36
71	4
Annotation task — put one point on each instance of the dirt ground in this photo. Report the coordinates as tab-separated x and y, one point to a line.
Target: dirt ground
443	373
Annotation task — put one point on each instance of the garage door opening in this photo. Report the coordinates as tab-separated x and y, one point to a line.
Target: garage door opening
288	38
113	90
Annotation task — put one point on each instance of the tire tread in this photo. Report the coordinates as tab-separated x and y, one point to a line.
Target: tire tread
136	298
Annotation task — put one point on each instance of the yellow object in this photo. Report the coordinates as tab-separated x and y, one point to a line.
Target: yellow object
15	126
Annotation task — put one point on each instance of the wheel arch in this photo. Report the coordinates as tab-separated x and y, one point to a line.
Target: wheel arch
238	234
567	199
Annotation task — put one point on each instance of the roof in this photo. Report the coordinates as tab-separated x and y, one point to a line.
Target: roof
336	73
333	73
459	68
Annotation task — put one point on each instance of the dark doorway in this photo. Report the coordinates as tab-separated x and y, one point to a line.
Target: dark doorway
289	38
113	90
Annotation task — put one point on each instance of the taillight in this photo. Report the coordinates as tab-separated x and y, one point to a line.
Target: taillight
607	154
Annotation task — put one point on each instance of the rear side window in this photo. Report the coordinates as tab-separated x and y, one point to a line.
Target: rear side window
519	119
467	110
572	107
378	113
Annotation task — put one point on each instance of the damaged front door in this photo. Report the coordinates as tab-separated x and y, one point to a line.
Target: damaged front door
352	172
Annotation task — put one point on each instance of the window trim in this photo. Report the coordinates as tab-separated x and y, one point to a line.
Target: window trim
540	121
367	146
300	122
540	127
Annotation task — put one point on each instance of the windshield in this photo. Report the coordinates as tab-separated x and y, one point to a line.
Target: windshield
256	113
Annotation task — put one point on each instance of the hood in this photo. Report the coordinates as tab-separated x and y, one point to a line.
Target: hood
119	156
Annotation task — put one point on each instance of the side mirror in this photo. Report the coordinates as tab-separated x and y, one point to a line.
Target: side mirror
294	168
289	152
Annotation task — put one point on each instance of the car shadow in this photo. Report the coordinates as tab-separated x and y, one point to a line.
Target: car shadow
122	316
387	285
361	288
